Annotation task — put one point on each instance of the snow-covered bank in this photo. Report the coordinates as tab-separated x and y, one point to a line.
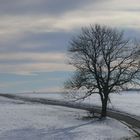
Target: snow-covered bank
19	121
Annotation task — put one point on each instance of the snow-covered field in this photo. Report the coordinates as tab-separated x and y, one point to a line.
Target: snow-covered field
26	121
53	95
127	101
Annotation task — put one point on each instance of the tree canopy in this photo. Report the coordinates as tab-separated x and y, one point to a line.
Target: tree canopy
105	62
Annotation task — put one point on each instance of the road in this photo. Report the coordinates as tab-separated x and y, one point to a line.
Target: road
130	120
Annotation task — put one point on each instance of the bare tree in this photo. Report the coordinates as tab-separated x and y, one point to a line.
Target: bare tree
104	61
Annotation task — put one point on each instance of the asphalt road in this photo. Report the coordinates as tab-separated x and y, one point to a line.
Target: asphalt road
130	120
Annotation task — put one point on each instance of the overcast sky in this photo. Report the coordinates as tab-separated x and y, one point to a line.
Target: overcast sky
35	34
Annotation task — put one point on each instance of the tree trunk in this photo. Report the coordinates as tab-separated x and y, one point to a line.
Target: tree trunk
104	108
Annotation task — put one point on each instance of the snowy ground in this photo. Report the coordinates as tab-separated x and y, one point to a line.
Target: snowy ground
128	101
52	95
22	121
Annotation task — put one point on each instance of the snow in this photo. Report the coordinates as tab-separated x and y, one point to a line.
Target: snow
26	121
52	95
127	101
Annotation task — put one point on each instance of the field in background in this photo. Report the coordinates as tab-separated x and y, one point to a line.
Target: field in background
127	101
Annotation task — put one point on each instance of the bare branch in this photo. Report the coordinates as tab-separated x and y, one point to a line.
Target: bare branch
105	61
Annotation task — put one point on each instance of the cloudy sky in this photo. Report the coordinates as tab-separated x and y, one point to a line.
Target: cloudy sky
35	34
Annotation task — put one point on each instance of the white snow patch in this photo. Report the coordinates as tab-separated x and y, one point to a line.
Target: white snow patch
45	122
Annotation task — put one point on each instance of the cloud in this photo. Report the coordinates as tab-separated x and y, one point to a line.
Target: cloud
30	63
27	69
36	42
72	15
57	7
35	34
79	18
29	57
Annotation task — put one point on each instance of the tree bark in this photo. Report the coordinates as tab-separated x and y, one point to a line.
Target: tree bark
104	108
